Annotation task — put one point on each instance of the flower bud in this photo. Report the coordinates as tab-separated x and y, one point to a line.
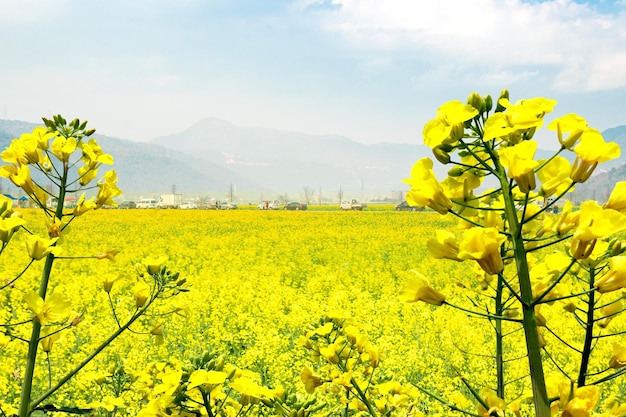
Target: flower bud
477	102
488	103
570	307
441	155
503	94
456	172
446	147
76	319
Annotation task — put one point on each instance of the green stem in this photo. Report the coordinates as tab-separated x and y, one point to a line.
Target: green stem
529	320
586	353
33	344
363	397
499	338
207	402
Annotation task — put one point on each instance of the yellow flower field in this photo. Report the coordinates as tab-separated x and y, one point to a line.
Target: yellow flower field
208	313
257	281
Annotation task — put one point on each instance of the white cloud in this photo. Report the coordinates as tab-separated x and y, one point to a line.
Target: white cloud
506	34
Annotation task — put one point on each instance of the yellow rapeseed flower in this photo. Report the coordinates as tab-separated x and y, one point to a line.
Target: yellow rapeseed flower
47	339
38	248
618	360
609	311
554	176
443	246
107	189
569	123
251	392
520	163
617	199
108	281
154	265
9	226
447	127
108	254
83	206
584	401
54	309
482	244
310	380
63	147
592	150
157	330
425	189
615	278
4	340
594	223
418	289
141	291
496	404
20	176
524	115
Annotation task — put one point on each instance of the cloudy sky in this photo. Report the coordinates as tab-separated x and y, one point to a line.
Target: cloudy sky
371	70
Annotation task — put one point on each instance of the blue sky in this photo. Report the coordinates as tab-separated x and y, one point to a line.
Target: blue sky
371	70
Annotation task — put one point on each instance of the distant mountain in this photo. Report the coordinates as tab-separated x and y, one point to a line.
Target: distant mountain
214	156
147	169
288	161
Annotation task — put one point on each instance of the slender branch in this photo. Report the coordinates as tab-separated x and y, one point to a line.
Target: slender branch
18	275
587	348
487	316
444	402
92	355
539	299
560	339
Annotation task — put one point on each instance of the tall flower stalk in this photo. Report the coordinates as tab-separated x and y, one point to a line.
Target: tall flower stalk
506	200
66	157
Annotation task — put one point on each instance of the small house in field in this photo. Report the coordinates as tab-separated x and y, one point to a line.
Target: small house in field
69	202
10	197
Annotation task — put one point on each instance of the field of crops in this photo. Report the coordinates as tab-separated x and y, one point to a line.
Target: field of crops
503	305
257	282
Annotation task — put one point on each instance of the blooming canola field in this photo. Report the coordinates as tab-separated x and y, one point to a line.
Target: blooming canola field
504	301
257	281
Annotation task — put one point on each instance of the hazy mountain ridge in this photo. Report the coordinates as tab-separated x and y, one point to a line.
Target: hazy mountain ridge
214	156
145	169
289	161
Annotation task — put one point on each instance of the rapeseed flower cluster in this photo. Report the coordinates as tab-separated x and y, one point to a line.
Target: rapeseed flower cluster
40	310
530	260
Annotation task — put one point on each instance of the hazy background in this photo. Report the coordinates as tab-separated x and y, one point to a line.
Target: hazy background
371	70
